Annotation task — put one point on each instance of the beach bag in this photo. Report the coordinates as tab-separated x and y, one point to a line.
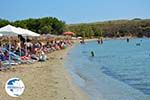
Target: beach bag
43	58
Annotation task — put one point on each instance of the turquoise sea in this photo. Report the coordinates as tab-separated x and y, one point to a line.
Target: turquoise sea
118	71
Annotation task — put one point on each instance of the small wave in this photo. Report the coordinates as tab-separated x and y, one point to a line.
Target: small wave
81	76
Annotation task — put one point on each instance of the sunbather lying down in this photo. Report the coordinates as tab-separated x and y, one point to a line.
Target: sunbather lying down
41	55
29	53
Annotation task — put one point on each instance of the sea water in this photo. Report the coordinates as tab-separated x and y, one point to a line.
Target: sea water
118	71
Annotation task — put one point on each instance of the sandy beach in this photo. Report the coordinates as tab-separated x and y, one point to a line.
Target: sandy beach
43	80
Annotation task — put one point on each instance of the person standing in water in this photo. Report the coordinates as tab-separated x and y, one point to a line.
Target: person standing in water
92	53
127	40
82	41
100	41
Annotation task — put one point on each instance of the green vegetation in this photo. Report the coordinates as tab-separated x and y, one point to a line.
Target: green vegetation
117	28
46	25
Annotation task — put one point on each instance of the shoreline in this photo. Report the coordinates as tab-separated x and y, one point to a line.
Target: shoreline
115	38
49	80
97	78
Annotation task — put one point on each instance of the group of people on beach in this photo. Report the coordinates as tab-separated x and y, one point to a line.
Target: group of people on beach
19	52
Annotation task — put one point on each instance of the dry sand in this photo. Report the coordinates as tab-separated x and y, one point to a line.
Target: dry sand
43	80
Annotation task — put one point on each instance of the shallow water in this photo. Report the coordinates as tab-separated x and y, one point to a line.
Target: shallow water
119	70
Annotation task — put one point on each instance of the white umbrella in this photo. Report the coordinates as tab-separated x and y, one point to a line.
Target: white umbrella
26	32
10	31
30	33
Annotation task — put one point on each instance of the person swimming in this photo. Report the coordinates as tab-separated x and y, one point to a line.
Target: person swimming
92	53
138	44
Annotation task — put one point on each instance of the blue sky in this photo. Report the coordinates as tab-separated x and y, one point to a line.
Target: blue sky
75	11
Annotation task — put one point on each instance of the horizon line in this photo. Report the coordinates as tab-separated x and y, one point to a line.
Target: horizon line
69	23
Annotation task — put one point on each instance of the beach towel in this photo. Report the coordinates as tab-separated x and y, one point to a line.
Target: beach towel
34	57
7	63
12	55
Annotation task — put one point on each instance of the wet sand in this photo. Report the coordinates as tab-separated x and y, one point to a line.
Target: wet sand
43	80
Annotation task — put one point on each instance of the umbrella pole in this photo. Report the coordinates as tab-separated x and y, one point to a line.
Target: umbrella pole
9	52
26	51
20	48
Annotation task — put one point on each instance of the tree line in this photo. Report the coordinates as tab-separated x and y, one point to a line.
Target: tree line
46	25
117	28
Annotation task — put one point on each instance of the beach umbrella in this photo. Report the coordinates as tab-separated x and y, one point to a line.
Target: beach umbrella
10	30
26	32
31	33
68	33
